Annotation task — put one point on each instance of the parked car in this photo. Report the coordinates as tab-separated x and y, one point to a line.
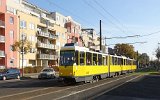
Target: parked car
11	73
47	73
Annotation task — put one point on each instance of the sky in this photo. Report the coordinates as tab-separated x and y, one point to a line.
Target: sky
124	18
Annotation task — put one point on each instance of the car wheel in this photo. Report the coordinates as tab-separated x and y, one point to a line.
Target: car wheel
4	78
18	77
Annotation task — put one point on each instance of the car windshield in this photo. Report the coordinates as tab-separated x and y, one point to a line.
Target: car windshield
47	70
67	58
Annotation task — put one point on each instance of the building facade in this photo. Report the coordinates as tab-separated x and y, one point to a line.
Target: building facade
47	32
74	31
8	34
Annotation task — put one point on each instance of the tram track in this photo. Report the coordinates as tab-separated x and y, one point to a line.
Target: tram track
61	91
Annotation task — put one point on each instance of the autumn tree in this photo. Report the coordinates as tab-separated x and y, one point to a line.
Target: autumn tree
23	46
125	49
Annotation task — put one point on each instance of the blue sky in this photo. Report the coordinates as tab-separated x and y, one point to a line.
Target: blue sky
136	17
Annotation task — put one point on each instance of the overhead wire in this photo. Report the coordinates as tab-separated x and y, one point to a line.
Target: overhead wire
129	43
78	17
95	9
101	6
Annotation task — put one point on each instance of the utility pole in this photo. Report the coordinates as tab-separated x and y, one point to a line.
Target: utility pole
137	59
100	36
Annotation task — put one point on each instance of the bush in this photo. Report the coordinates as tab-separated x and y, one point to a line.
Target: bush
36	69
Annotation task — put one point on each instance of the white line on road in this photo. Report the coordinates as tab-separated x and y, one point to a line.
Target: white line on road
93	87
6	96
114	87
72	88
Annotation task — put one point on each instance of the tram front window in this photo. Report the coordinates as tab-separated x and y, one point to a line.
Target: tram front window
67	58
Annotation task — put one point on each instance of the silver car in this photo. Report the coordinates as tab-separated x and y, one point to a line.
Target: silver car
47	73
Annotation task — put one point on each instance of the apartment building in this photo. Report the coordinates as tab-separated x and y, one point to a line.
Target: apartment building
91	40
22	20
74	31
41	32
47	31
8	30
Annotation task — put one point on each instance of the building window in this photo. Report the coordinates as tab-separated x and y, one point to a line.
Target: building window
58	33
11	33
58	18
23	24
11	47
11	62
32	38
23	36
17	1
11	20
31	26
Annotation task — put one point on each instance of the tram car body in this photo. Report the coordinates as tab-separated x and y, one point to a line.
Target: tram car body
80	64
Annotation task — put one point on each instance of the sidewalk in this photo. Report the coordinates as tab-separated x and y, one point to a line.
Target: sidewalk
35	75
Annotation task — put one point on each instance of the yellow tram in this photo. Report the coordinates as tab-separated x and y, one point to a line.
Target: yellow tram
80	64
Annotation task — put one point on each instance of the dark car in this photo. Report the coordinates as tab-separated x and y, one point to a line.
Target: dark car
47	73
11	73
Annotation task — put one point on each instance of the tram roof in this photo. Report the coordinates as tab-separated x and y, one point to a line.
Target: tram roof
75	48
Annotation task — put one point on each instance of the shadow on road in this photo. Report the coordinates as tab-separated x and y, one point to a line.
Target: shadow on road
147	87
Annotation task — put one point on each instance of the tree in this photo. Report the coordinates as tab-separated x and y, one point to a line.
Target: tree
125	49
143	59
158	57
158	53
23	46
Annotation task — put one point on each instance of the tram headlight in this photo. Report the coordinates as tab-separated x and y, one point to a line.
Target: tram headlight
70	73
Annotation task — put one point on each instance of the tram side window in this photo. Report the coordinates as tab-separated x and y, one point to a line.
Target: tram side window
106	60
119	61
112	60
94	59
130	62
89	58
82	54
115	61
76	57
134	62
124	61
99	59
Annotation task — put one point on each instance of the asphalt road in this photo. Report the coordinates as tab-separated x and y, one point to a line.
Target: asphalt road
132	86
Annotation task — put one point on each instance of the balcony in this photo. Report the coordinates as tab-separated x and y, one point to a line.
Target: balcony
2	67
2	38
2	24
48	46
2	54
43	34
53	36
47	35
47	56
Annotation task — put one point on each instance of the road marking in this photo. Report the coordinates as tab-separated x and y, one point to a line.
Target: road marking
24	92
114	87
72	88
95	87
